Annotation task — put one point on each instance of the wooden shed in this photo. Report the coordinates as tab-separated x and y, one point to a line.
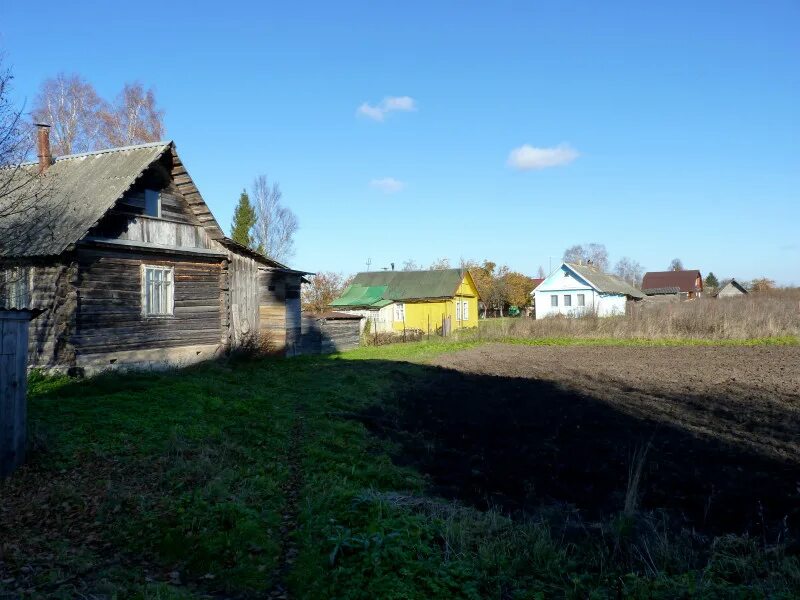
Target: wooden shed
130	266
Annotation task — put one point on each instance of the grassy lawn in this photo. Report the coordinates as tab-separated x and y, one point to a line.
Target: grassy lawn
237	479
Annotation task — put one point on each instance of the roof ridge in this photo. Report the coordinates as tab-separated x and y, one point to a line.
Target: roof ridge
95	153
114	149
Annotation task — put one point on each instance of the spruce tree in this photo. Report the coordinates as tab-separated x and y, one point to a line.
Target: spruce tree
244	218
711	281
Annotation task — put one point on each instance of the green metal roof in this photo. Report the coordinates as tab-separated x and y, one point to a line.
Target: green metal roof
379	288
360	295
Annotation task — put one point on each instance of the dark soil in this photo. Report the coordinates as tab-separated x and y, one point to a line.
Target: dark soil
519	427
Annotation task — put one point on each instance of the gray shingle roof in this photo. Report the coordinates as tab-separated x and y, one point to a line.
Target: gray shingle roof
45	215
605	282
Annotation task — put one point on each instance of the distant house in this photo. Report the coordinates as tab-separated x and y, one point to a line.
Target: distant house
530	310
576	289
731	289
689	283
129	267
394	301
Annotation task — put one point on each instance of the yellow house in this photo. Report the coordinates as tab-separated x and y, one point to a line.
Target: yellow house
429	301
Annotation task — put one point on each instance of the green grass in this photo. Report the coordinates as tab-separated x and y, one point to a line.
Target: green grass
186	473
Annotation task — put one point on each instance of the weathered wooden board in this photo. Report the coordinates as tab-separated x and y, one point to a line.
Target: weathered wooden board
13	383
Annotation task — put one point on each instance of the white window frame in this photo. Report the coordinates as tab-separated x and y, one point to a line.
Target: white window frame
465	310
567	300
152	203
375	316
581	299
399	311
458	310
165	285
16	287
554	300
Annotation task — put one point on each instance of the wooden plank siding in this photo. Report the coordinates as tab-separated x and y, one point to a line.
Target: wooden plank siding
272	308
13	383
109	316
243	298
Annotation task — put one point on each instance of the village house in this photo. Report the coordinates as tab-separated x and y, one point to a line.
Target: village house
576	289
121	253
687	284
427	301
732	289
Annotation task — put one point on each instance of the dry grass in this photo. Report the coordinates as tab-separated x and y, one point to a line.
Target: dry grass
759	315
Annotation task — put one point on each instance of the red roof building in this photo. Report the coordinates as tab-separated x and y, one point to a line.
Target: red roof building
688	282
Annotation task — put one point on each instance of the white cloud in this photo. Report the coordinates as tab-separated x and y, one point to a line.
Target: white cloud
387	185
389	104
528	158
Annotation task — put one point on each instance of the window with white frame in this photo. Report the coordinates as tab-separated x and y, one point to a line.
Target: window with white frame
464	310
567	300
15	288
553	300
375	316
158	294
399	311
458	310
581	299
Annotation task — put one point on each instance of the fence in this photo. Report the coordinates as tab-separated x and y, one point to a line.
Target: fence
13	387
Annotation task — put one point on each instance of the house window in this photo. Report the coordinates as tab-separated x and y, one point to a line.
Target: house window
152	203
553	300
399	311
15	288
375	316
581	299
158	299
567	300
465	310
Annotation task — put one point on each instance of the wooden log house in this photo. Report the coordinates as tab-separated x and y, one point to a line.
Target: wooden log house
129	266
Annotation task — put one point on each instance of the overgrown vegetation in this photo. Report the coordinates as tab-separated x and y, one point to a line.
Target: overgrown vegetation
758	315
175	485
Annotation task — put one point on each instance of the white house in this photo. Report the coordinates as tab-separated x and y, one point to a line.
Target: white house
575	289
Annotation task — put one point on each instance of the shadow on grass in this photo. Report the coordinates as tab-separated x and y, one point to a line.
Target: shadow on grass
208	445
517	444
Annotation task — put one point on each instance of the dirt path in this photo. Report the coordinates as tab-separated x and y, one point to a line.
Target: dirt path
289	525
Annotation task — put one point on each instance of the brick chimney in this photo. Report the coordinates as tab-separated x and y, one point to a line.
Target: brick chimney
43	146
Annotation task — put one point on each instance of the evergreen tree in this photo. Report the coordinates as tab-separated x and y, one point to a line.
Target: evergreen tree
244	218
711	280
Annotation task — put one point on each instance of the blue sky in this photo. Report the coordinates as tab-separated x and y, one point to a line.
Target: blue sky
676	124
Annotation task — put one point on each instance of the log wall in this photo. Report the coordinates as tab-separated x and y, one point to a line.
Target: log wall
109	315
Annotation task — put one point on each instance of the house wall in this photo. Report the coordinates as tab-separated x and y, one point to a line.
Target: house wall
729	291
381	320
425	314
565	283
110	327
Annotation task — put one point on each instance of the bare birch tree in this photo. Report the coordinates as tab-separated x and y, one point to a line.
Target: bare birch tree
629	270
276	224
594	253
133	118
71	106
